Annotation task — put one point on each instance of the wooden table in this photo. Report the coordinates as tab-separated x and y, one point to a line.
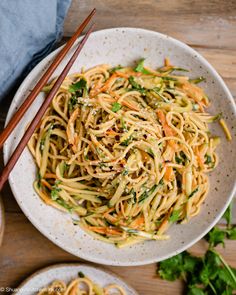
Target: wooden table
207	26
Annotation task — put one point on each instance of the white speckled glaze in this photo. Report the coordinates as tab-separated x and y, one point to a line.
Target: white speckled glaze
68	272
125	46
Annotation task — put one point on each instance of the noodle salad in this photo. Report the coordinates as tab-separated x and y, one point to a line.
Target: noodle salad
126	150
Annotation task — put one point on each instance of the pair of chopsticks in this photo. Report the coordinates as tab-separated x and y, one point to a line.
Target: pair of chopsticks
29	100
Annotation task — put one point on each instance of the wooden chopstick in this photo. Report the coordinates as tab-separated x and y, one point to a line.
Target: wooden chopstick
26	137
42	82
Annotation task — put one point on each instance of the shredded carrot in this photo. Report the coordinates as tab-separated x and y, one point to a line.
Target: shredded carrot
167	129
110	218
104	230
199	157
137	222
111	132
169	173
45	183
200	106
50	175
129	105
122	75
107	84
193	91
145	156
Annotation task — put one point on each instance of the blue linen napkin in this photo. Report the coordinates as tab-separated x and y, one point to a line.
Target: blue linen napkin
28	32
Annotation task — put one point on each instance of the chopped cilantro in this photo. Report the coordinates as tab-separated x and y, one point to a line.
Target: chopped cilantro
140	67
127	141
113	70
209	274
136	86
38	178
116	106
208	159
174	216
81	274
78	86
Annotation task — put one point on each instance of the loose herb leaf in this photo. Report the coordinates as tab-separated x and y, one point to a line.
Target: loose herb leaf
116	106
140	67
172	268
231	233
228	214
215	237
194	290
209	274
80	85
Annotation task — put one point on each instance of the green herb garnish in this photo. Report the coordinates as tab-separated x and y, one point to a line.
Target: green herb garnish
127	141
78	86
38	179
208	159
113	70
136	86
116	106
55	190
72	102
206	275
197	80
174	216
140	67
81	274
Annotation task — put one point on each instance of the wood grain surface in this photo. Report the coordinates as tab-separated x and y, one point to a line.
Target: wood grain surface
207	26
2	220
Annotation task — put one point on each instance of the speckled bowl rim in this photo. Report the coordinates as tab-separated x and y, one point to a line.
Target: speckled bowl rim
72	264
186	245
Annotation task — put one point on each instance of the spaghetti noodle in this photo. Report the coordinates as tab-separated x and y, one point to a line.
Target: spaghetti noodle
81	286
126	149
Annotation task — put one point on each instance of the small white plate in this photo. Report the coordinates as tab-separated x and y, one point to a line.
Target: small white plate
125	46
68	272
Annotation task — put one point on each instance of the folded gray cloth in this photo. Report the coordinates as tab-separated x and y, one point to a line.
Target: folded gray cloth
28	31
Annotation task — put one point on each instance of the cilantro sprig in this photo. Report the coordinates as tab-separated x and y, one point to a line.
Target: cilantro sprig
140	67
206	275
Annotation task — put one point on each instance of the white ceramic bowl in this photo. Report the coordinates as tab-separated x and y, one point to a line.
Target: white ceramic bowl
124	46
68	272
